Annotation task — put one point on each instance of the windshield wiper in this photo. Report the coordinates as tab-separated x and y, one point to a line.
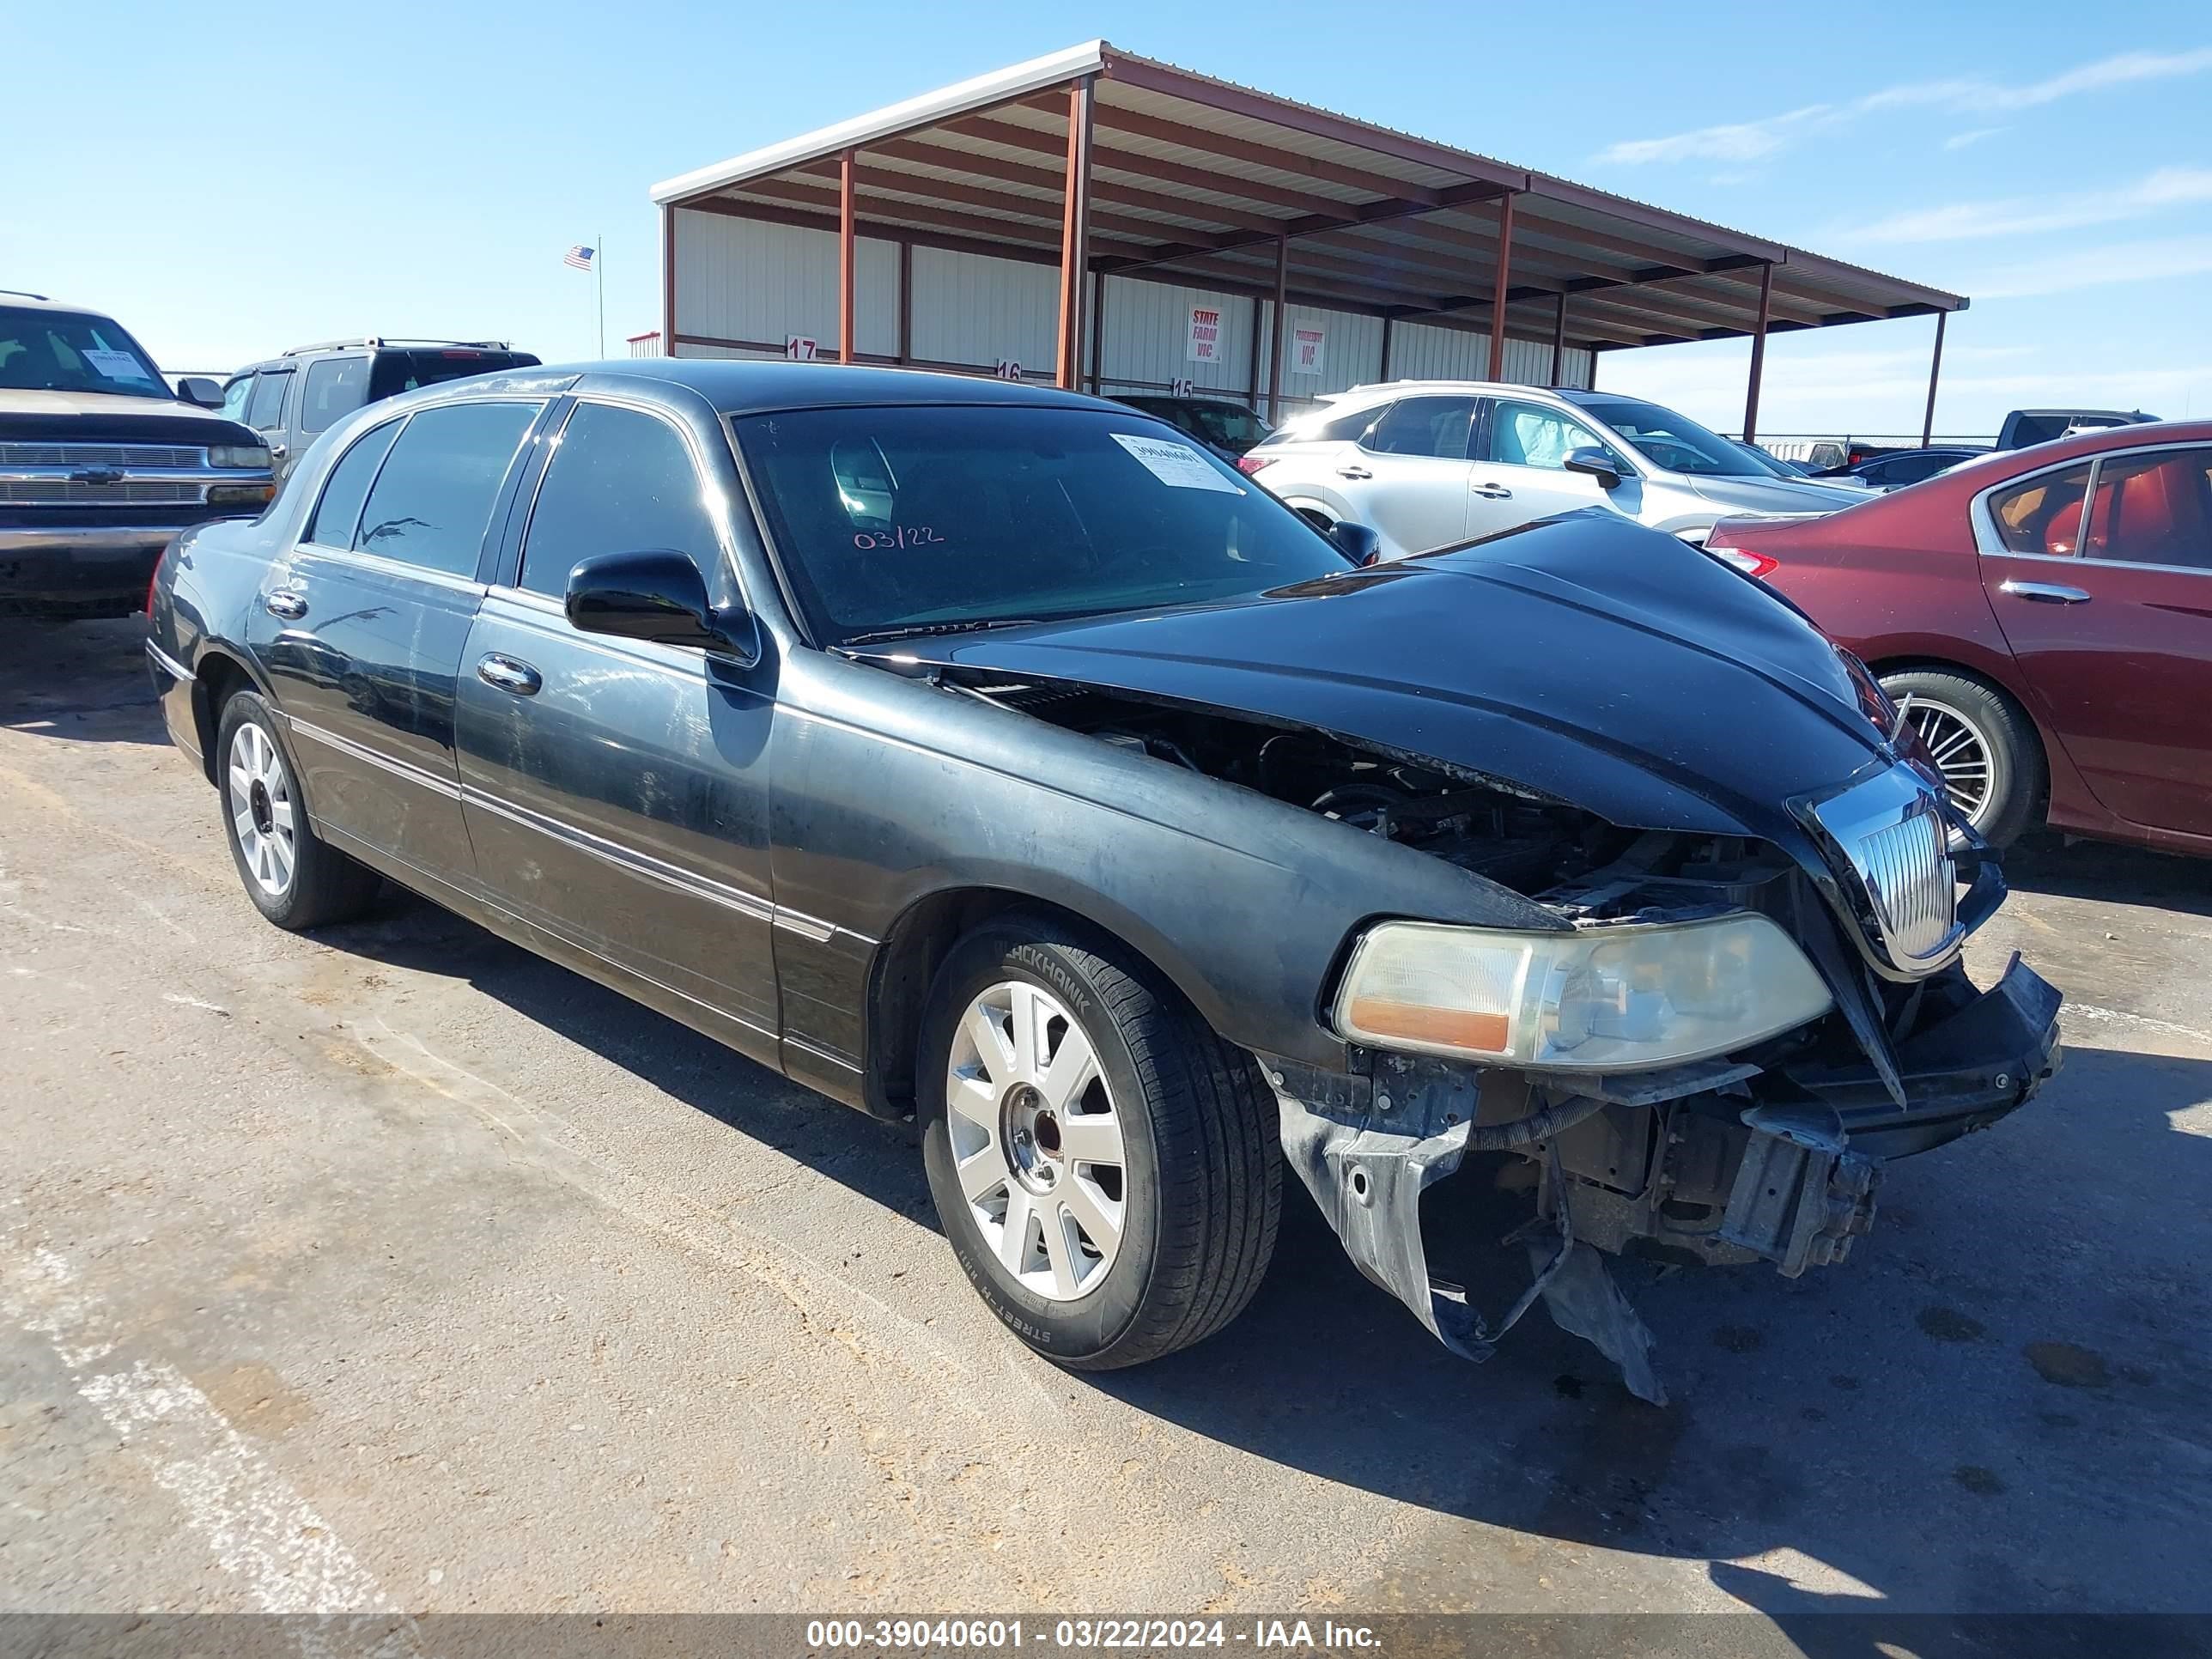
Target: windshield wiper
913	630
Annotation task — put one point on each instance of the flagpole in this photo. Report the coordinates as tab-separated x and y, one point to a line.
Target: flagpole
600	266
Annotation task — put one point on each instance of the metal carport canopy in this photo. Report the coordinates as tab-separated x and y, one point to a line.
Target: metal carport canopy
1103	162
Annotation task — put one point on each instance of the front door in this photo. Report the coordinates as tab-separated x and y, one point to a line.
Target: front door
1523	475
361	628
2109	615
1407	478
616	790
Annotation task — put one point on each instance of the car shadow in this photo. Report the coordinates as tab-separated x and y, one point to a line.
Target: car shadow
1964	1419
84	682
2109	873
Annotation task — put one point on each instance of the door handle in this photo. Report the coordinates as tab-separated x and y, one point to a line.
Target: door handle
1493	492
285	603
2047	592
277	452
1354	472
508	674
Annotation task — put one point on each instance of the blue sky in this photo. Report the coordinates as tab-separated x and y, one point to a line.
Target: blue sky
234	179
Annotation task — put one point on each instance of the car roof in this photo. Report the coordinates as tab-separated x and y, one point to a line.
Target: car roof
740	386
26	301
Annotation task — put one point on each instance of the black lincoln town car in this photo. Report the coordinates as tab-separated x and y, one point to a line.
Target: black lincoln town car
995	757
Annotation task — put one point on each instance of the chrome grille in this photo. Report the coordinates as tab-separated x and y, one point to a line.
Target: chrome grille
1892	830
135	457
68	492
1907	870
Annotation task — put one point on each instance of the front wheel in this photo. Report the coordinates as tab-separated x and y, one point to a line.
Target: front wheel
293	876
1105	1167
1981	741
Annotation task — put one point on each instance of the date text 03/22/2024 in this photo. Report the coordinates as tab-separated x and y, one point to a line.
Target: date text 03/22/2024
985	1636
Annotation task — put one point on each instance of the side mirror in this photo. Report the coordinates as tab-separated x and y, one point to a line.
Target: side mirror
656	595
199	389
1597	464
1358	540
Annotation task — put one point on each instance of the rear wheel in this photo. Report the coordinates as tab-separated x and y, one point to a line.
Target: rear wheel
1982	742
293	878
1105	1166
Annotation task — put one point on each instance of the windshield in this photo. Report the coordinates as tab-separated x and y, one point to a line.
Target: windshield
914	517
1232	426
69	351
1677	444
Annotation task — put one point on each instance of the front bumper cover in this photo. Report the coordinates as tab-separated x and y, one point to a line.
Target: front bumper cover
1735	1165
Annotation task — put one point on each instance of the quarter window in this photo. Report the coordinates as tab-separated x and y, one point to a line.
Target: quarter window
339	514
433	498
2152	509
2043	516
265	410
234	396
336	386
1424	426
1529	434
620	481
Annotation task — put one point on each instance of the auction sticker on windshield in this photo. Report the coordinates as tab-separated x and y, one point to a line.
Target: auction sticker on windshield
1176	465
115	365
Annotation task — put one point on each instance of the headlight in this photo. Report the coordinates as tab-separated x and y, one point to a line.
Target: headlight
1615	999
238	455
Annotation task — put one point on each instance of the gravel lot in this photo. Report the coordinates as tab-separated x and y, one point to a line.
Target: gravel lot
397	1267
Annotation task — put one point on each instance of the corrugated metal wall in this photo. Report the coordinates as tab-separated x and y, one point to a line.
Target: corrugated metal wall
970	309
1147	339
751	280
1422	351
743	279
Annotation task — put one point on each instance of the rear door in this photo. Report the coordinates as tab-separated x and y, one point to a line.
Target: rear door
1407	476
330	388
2107	606
616	790
1523	475
361	628
264	411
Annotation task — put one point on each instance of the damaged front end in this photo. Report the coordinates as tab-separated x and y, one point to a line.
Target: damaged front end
1770	1151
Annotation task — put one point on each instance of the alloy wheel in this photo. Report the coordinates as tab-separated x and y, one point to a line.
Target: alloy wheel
1036	1141
259	795
1961	749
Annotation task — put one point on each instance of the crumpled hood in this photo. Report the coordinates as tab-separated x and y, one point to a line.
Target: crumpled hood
1584	658
1779	495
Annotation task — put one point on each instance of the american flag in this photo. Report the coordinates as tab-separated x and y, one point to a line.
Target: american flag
579	256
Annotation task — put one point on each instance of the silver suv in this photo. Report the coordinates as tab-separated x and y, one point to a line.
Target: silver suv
1429	463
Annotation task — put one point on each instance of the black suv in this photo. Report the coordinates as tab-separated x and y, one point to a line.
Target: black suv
101	463
290	399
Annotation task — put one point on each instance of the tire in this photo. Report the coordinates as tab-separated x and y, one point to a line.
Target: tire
1977	735
293	876
1199	1179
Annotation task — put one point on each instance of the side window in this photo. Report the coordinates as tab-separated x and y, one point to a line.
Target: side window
234	396
1346	428
338	515
265	410
2043	516
336	386
1529	434
432	501
620	481
1424	426
2152	509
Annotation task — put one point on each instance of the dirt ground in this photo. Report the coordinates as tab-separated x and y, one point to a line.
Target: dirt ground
396	1267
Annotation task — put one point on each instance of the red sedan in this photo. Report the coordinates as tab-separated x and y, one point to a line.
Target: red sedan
2044	618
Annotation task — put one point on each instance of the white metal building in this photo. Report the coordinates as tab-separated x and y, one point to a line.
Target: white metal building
1098	219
